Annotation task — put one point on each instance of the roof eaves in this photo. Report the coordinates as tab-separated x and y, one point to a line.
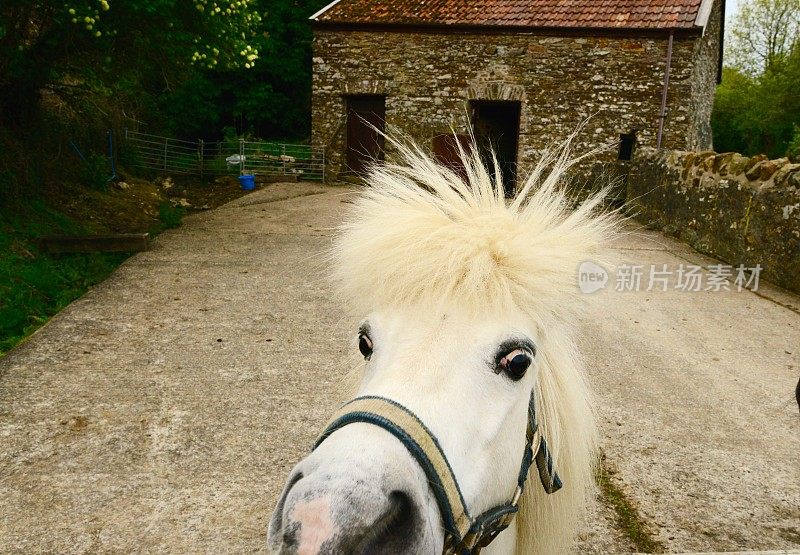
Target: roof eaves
323	10
460	27
703	13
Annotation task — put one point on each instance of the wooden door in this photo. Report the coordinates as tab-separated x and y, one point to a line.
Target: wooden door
446	151
365	124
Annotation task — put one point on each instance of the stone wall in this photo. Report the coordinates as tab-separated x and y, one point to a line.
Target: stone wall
741	210
429	77
704	82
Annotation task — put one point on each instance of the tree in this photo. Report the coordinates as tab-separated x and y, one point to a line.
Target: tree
729	117
757	106
73	46
759	114
272	100
763	32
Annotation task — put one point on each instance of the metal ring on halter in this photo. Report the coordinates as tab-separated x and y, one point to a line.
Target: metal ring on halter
464	534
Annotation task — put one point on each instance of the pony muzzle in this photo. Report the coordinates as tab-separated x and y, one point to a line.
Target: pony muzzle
359	501
463	533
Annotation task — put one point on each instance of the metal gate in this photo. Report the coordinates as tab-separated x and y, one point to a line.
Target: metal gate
231	157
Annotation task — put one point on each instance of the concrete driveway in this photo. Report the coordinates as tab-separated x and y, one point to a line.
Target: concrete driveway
162	411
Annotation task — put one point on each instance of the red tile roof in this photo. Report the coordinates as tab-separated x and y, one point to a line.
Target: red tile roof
576	14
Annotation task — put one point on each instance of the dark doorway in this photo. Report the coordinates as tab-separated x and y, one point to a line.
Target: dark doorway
364	143
496	127
627	144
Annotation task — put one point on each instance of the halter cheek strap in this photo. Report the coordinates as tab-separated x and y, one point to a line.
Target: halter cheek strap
464	534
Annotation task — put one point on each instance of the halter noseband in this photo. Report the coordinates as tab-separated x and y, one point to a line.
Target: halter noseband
464	534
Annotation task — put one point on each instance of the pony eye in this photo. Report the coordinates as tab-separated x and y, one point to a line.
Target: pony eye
365	345
515	364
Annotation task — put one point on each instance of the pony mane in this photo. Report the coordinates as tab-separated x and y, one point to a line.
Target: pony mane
420	233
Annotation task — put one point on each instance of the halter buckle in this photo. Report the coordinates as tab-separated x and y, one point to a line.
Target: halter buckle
487	536
486	528
517	495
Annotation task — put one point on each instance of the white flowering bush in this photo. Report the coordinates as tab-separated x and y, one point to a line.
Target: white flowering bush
218	33
122	50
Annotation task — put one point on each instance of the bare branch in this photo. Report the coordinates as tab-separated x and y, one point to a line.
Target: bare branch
763	31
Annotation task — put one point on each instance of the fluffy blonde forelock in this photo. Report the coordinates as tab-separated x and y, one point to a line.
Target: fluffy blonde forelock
421	233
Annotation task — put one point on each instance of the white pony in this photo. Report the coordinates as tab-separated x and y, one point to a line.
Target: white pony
469	300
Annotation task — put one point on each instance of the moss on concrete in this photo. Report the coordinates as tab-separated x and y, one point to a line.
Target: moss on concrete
628	519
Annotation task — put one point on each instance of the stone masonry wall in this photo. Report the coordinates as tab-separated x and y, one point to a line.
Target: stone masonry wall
742	210
428	79
704	82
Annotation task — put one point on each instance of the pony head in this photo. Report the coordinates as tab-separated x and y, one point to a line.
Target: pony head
468	302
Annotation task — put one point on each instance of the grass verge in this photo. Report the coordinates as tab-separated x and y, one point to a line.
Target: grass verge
33	285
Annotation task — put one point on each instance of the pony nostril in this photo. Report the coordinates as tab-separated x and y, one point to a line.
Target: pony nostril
402	507
293	480
277	527
401	511
390	533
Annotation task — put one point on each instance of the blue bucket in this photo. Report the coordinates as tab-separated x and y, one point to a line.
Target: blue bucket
248	182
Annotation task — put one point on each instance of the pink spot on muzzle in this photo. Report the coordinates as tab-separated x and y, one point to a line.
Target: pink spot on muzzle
316	525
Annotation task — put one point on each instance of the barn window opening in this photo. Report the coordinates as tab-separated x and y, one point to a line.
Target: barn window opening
627	143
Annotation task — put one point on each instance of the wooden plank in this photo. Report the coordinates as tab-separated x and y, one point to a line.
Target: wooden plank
120	242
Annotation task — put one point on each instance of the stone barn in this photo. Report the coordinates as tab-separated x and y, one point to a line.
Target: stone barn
518	74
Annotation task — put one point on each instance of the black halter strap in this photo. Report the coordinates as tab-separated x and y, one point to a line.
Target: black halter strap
464	534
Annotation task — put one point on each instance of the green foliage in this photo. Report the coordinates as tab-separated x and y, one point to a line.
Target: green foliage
730	119
129	155
194	108
758	114
185	67
277	103
763	31
757	107
170	216
794	145
108	47
95	172
627	516
34	286
271	100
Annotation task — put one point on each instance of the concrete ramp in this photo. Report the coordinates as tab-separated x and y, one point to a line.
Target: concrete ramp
162	411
